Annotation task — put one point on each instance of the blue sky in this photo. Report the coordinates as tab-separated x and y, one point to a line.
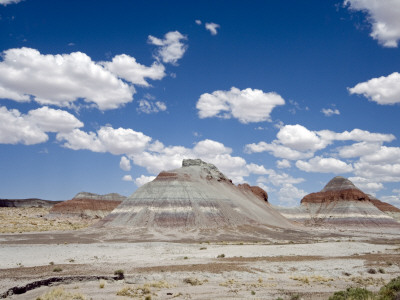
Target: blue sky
100	97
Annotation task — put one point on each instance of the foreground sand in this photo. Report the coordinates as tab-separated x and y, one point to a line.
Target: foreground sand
224	270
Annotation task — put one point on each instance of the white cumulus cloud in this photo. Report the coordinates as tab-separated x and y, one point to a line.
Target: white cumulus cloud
289	195
53	120
171	47
125	163
383	90
282	164
126	67
248	105
366	185
358	149
212	28
14	128
357	135
299	138
379	172
31	128
257	169
297	142
384	16
277	150
57	79
279	179
324	165
383	155
106	139
156	159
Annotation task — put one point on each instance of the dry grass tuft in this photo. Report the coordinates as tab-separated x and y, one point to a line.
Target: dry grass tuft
144	290
312	279
194	281
61	294
361	281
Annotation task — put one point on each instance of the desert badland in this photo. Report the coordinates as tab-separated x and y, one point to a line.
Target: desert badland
202	149
192	234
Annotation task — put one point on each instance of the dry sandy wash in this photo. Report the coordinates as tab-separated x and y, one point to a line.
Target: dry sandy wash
80	264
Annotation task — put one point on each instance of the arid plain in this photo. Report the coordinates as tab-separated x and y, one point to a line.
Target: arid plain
217	241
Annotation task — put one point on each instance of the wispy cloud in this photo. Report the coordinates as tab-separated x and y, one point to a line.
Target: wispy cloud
212	28
330	112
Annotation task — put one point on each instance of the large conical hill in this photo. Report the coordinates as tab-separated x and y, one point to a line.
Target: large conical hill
195	197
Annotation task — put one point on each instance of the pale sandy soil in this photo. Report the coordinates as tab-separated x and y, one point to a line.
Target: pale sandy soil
166	270
312	264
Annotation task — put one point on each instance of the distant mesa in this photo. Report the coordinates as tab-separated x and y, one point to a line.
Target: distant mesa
341	203
30	202
196	198
87	205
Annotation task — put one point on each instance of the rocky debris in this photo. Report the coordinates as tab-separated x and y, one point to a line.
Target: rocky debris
30	202
195	197
339	203
87	205
256	190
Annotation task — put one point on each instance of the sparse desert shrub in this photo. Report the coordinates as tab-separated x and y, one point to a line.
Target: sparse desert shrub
51	263
148	297
119	273
162	284
59	293
186	257
382	271
203	248
134	292
102	284
371	271
361	281
390	291
303	279
221	256
352	294
253	293
193	281
295	297
57	269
